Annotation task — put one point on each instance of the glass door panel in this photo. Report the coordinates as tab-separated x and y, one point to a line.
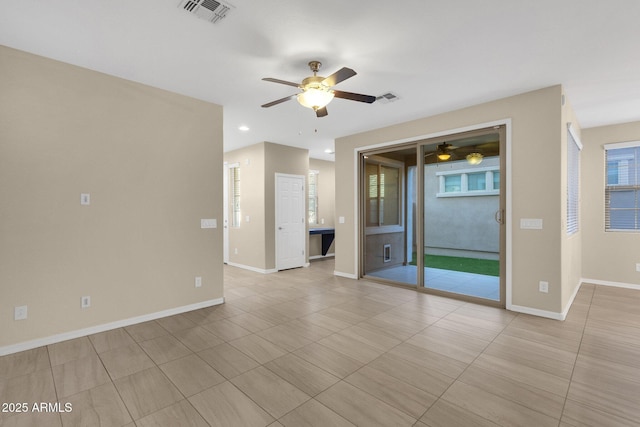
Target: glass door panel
389	227
462	214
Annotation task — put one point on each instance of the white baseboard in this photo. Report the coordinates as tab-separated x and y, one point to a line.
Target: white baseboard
254	269
321	256
570	302
347	275
28	345
536	312
610	283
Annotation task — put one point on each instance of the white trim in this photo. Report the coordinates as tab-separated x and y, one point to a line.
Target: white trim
469	170
540	313
347	275
575	137
469	193
322	256
254	269
610	283
508	224
550	314
571	299
616	145
28	345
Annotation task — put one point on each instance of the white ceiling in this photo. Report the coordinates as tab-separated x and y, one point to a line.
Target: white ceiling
436	56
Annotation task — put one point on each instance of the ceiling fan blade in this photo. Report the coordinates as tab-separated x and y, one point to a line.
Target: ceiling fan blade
321	112
278	101
354	96
339	76
284	82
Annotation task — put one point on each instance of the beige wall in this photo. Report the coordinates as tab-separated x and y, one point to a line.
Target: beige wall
248	240
286	160
607	256
152	162
255	240
536	124
326	202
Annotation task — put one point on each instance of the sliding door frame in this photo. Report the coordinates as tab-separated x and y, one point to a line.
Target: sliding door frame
501	126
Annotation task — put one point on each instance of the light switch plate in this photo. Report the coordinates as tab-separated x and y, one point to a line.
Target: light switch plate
543	287
341	220
531	223
20	313
208	223
85	199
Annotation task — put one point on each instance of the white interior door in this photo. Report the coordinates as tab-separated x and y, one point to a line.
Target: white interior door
290	221
225	214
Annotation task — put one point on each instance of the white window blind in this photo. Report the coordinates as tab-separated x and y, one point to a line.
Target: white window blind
573	181
234	179
622	186
313	197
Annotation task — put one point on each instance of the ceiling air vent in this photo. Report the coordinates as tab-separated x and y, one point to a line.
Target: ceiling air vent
210	10
387	98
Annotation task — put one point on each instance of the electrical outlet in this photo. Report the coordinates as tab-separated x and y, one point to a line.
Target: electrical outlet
20	313
198	282
638	266
235	251
543	287
85	302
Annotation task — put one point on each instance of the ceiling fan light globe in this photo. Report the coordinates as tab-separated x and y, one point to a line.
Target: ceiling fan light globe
474	158
444	156
315	98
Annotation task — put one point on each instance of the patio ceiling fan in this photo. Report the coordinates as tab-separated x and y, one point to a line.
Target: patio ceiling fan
444	151
317	91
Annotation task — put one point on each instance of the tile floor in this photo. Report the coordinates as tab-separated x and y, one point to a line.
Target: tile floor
306	348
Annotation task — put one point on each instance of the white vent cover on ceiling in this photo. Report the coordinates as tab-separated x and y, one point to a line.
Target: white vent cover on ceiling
387	98
211	10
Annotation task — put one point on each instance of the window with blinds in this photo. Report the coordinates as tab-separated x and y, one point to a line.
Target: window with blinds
573	181
313	197
622	187
234	180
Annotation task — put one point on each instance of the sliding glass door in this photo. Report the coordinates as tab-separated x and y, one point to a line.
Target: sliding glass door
463	215
433	215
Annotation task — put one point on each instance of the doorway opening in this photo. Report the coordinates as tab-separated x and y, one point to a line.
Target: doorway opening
432	215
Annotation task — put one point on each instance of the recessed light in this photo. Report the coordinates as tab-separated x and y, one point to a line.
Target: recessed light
243	128
329	151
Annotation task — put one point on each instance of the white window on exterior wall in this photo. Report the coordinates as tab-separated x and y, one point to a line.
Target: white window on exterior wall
313	197
622	186
573	181
234	181
469	182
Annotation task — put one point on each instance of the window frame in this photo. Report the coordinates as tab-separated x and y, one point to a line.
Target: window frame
313	197
622	187
389	163
234	192
464	182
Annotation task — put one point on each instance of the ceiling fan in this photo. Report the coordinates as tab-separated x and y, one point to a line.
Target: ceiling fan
316	90
443	151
